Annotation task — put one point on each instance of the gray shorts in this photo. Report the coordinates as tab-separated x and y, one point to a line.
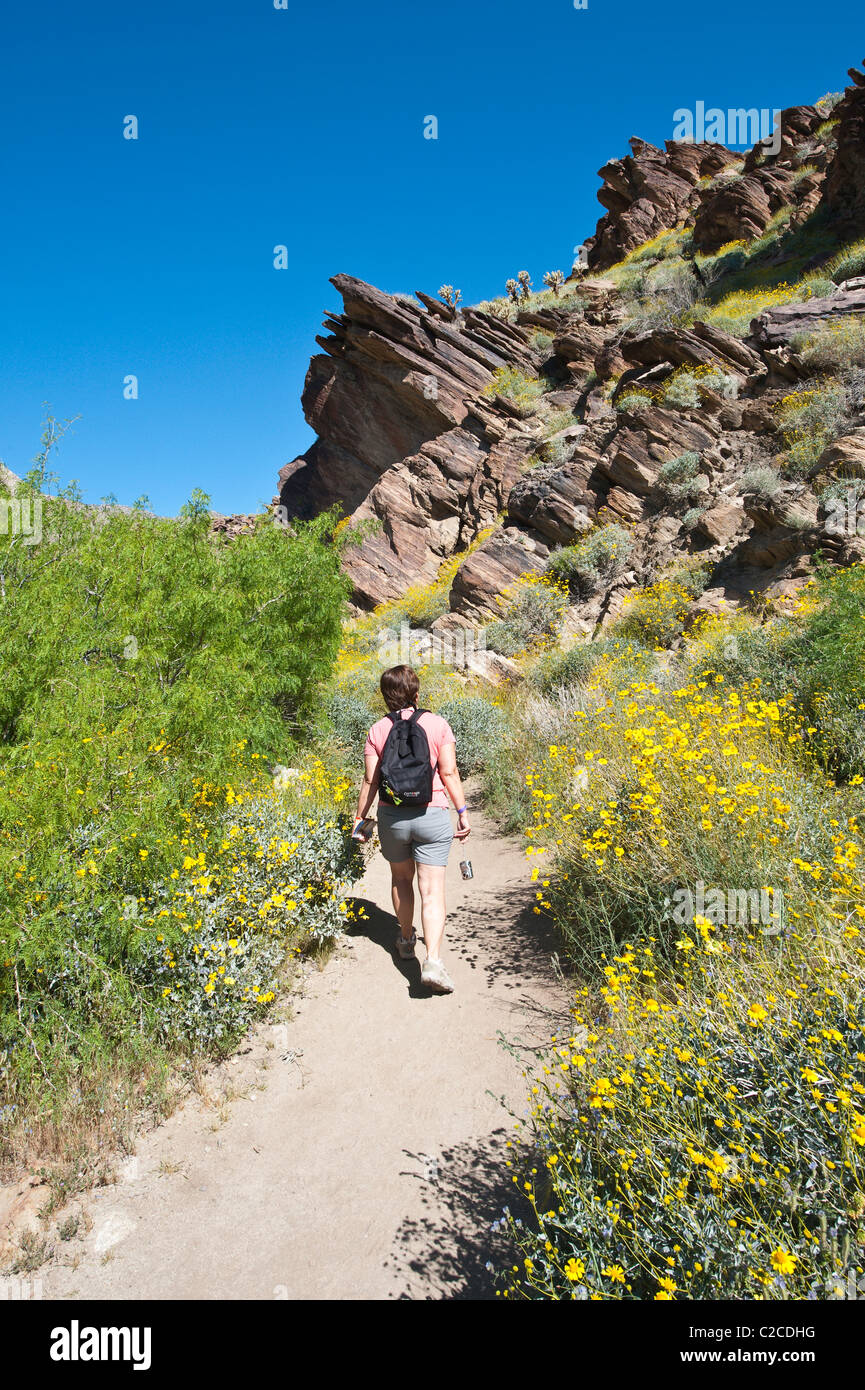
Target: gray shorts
422	833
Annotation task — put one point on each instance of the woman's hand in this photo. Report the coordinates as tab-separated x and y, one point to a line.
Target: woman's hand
463	829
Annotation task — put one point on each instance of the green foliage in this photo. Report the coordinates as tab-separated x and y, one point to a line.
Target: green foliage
834	348
683	390
631	402
559	670
350	718
678	478
150	670
765	482
282	882
809	420
530	615
849	263
597	559
830	657
523	391
479	729
670	1168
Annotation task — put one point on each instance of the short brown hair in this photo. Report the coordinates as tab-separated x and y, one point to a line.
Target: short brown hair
399	685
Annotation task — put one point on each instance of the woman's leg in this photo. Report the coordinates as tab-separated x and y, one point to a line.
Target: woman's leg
431	882
402	893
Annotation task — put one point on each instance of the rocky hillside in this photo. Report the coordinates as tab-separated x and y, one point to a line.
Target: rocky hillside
699	387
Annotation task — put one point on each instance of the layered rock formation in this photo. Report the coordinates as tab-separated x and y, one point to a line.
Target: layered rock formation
650	191
418	434
723	196
405	435
844	192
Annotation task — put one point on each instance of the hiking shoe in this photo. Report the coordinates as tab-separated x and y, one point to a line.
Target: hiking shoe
434	974
405	946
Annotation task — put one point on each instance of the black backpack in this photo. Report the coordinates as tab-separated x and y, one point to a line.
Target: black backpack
405	770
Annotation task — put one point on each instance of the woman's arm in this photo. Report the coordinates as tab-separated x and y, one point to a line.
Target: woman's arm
368	787
454	787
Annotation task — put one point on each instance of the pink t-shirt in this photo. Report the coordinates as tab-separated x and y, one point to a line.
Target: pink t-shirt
438	732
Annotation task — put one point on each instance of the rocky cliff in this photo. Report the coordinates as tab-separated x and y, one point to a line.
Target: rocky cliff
550	415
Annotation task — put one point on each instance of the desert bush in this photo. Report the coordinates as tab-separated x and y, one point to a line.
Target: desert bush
765	482
831	664
524	391
531	615
350	718
699	1132
274	879
683	390
634	401
479	729
558	670
678	479
834	348
595	560
808	421
694	1147
849	263
656	615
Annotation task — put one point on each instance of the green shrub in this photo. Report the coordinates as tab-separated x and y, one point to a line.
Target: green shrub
764	481
634	401
530	616
597	559
151	669
557	670
678	478
835	347
281	883
350	718
809	420
505	638
681	391
849	263
688	1156
479	729
831	663
523	391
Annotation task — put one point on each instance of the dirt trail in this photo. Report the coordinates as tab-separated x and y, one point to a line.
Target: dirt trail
365	1161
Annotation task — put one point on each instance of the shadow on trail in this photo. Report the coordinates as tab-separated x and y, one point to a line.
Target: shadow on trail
381	927
444	1253
502	935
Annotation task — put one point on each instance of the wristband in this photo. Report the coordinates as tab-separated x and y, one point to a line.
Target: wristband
462	811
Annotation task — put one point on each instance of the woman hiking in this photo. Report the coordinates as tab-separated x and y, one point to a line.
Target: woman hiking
414	824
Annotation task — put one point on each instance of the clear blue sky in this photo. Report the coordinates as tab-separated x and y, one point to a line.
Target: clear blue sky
305	127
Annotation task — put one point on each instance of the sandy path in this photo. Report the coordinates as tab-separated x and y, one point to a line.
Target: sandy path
365	1159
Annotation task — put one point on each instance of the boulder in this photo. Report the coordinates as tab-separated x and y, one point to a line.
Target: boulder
404	433
556	501
721	522
780	326
495	567
843	458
